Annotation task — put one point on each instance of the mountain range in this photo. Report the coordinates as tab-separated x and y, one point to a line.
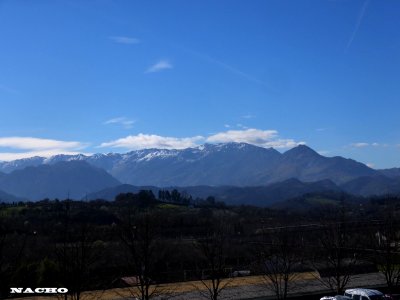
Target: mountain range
8	198
211	169
233	195
63	179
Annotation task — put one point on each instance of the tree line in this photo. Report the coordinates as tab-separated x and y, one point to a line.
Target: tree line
141	241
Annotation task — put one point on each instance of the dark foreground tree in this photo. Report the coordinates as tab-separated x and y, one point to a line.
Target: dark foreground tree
12	248
75	256
336	252
213	248
280	258
140	236
386	249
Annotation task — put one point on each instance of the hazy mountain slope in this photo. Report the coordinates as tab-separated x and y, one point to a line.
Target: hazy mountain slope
9	166
368	186
393	172
257	195
305	164
233	164
263	195
74	178
8	198
111	192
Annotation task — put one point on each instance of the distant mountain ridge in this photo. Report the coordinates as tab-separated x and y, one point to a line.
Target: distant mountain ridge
8	198
392	172
233	195
368	186
9	166
236	164
204	169
63	179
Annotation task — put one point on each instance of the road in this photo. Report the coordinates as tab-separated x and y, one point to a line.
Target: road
250	288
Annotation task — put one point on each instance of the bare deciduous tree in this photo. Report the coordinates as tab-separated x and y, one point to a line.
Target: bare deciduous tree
336	252
386	249
139	235
75	256
280	259
213	248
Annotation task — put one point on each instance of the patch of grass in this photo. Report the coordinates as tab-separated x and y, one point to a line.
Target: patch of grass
11	211
169	206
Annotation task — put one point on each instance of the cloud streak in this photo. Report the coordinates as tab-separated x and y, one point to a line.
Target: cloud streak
358	23
12	148
123	121
24	147
31	143
9	156
321	129
233	70
364	145
124	40
227	67
261	138
248	116
360	145
160	66
146	141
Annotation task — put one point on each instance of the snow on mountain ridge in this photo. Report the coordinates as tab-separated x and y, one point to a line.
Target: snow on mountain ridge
188	154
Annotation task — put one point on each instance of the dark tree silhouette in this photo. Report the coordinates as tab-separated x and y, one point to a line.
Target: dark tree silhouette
281	258
12	248
76	254
139	234
213	249
337	252
386	254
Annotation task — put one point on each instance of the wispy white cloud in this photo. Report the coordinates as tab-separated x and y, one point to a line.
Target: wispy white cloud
360	145
23	147
160	66
282	143
240	125
145	141
371	165
31	143
358	23
248	116
262	138
9	156
363	145
124	40
324	152
228	67
238	72
227	126
321	129
125	122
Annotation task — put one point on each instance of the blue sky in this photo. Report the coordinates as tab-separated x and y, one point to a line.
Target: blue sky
101	76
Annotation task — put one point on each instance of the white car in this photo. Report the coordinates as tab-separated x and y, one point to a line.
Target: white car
364	294
337	297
